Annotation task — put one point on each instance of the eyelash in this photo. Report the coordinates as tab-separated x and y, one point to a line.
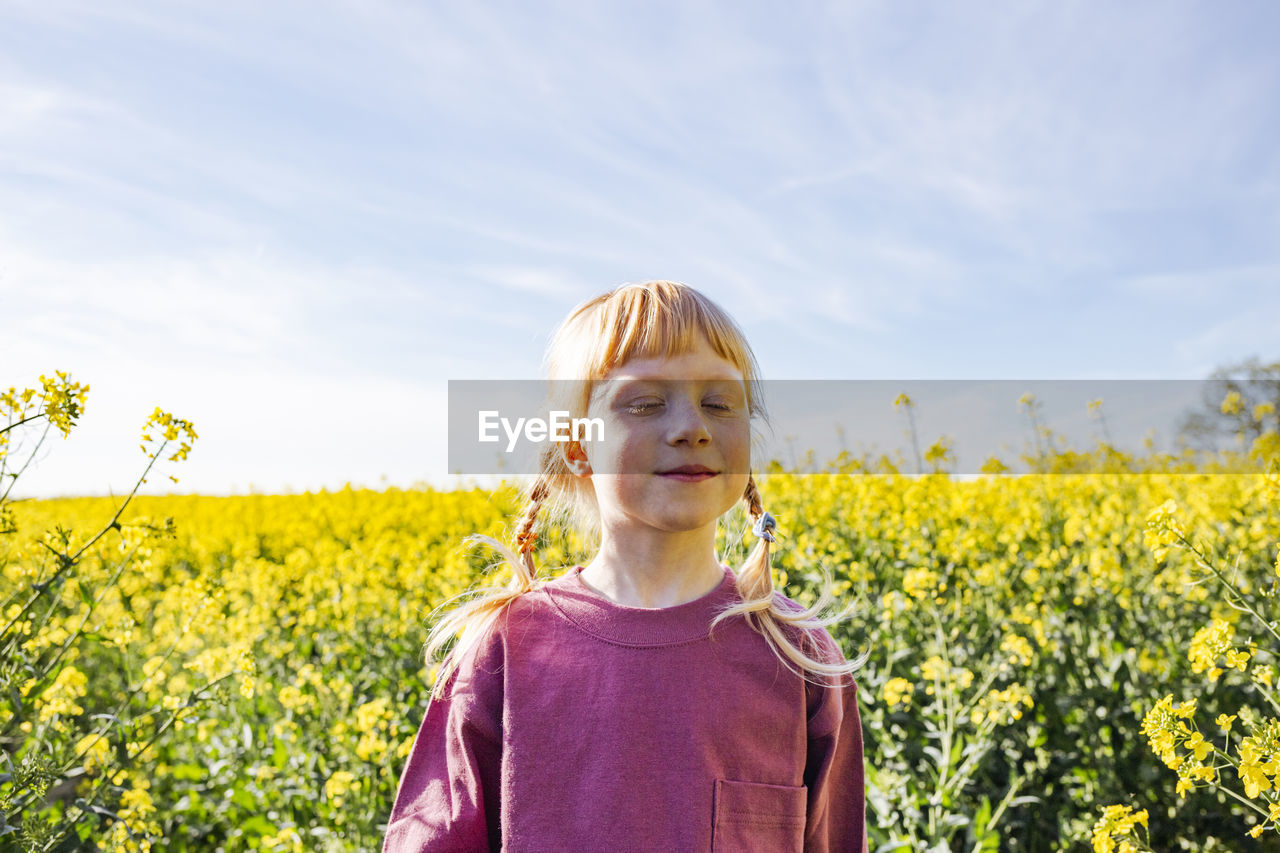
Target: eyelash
643	408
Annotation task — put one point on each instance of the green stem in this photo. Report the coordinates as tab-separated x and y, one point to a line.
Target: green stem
1244	605
51	665
13	479
19	423
29	797
67	561
1014	785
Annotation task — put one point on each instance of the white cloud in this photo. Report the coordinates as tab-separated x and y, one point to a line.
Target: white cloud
270	429
306	201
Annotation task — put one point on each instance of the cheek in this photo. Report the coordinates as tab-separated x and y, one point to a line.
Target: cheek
737	449
617	453
735	488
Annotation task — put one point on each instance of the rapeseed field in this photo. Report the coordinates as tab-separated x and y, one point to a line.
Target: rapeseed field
1080	658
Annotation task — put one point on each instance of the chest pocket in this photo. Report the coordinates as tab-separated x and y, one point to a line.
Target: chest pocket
751	817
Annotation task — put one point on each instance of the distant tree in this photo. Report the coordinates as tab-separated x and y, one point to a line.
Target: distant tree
1239	400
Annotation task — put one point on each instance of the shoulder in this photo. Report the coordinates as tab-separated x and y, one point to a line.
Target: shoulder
485	643
478	658
493	633
825	695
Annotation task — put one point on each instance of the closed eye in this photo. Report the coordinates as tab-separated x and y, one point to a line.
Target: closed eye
720	405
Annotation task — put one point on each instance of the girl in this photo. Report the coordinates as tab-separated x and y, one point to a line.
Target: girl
654	699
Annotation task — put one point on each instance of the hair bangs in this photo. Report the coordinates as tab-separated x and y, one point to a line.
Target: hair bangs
656	319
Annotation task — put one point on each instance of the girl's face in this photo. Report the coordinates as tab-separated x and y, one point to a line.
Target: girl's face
677	442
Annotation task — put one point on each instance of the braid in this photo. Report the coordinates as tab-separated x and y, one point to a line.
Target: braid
526	537
792	633
473	618
752	497
756	578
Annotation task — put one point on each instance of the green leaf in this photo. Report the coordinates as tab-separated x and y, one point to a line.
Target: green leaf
279	754
244	799
187	772
258	825
982	817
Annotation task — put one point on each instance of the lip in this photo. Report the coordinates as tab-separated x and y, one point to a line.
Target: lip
689	473
689	469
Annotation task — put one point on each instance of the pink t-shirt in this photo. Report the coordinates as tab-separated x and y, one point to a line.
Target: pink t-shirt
578	724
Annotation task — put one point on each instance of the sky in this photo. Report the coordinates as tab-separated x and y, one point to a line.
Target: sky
293	223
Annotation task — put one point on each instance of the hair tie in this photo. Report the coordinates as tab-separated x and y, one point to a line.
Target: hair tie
764	527
526	541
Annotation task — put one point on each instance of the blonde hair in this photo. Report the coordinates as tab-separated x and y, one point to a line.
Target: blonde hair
655	319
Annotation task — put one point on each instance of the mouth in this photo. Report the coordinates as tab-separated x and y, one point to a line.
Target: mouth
689	473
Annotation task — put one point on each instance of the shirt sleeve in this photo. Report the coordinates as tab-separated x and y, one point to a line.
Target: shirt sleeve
834	771
448	795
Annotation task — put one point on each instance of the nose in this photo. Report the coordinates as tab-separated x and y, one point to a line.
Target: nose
688	423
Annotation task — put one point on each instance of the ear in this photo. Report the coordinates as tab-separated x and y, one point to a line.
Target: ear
575	457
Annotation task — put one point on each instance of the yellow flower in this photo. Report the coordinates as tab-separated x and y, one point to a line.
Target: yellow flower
1198	746
1018	648
285	840
1161	726
1255	778
337	786
939	452
1163	528
63	695
897	691
934	669
993	465
921	583
374	715
1116	824
291	698
1262	748
94	751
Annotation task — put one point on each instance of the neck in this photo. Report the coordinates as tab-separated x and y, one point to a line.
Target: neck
655	568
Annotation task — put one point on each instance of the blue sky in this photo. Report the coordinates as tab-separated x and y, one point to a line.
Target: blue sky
292	223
